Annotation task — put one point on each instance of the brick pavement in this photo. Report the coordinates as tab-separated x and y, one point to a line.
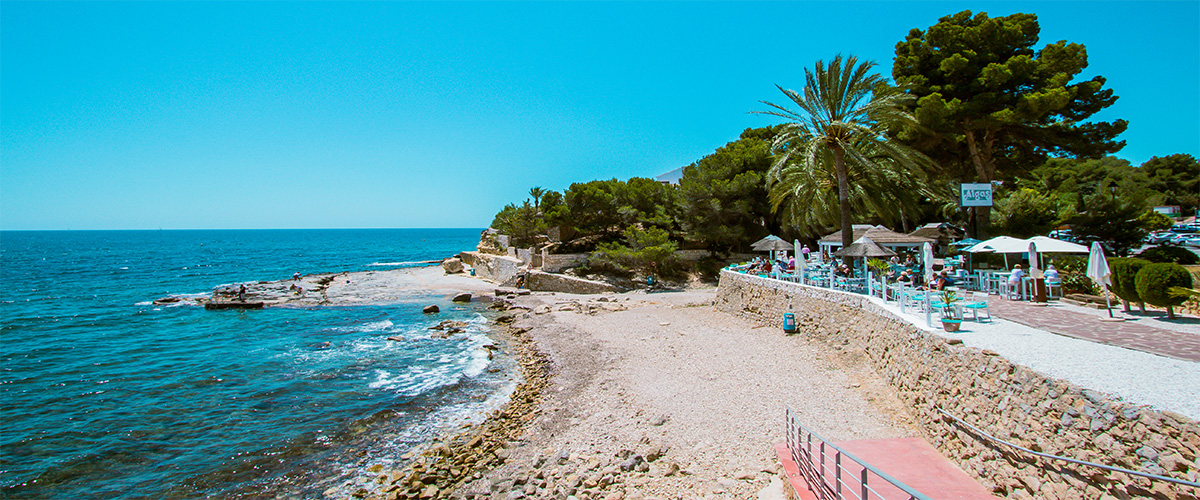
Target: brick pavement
1128	334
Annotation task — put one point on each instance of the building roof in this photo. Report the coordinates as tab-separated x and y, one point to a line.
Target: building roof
671	177
879	234
941	231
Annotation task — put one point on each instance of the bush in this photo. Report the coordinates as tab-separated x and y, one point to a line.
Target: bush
1124	278
1155	280
650	251
1072	272
1170	253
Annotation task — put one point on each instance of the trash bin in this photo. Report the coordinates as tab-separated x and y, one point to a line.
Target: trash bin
789	323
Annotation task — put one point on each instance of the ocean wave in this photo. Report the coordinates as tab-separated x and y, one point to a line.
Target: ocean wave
373	326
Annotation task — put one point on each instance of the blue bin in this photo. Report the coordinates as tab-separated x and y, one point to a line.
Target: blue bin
789	323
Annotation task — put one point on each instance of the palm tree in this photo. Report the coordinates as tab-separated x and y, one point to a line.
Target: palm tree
843	119
536	193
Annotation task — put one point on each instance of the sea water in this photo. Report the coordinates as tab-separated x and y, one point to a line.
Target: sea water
106	395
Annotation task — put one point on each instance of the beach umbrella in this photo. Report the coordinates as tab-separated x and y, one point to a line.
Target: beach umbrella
1050	245
799	260
771	243
927	257
864	247
1098	271
966	243
1035	271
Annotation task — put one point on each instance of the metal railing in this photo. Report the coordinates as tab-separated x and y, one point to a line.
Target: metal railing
984	434
822	465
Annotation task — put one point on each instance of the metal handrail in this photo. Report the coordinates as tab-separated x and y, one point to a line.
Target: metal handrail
1068	459
816	478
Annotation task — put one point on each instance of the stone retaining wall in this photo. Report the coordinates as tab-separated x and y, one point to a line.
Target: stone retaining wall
557	262
1009	401
539	281
500	269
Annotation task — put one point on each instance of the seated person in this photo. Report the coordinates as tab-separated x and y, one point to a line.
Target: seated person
791	264
905	277
1051	274
942	280
1017	274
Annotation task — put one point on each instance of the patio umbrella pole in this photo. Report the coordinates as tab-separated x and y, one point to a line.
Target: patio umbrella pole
1108	302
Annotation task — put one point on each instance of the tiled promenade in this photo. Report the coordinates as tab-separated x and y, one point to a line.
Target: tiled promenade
1134	334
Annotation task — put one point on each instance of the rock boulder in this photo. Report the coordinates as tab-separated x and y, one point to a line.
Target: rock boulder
452	265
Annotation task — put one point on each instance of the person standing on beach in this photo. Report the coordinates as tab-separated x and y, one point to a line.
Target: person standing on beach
242	293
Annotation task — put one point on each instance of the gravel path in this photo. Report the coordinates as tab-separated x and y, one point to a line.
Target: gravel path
667	370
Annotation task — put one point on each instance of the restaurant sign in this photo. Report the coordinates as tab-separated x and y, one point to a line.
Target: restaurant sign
977	195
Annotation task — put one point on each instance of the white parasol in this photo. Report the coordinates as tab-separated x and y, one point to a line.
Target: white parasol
1098	271
927	258
1035	271
799	260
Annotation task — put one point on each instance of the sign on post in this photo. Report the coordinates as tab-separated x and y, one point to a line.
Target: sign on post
976	195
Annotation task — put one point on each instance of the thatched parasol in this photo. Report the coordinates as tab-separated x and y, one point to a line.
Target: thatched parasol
772	244
864	247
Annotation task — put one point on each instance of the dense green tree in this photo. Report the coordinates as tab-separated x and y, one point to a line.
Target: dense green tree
842	118
648	251
607	207
991	106
1025	213
1118	223
723	197
519	221
1176	178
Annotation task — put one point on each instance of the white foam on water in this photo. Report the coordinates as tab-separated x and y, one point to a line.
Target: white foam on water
374	326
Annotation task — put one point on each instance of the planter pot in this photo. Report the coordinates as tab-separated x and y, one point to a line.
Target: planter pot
951	325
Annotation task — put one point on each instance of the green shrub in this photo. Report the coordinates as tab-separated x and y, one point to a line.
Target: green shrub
1155	280
1124	278
1072	272
649	251
1170	253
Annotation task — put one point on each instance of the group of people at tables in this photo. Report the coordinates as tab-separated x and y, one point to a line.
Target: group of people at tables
908	275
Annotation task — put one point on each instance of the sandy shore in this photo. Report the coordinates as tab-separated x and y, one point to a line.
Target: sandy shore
660	396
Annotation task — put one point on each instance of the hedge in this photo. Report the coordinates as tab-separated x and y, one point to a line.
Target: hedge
1154	281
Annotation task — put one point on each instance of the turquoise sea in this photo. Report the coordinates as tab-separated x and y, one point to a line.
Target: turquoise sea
105	395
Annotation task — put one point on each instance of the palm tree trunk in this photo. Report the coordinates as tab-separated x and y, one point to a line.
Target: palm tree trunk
839	163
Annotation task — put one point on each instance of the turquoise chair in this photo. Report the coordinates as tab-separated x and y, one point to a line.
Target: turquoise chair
977	303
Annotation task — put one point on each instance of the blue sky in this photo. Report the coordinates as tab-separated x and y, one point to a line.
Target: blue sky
175	115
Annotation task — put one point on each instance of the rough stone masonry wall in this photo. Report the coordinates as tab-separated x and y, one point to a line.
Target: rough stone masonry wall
500	269
1009	401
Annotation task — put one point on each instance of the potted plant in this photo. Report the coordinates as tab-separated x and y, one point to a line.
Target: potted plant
951	319
881	268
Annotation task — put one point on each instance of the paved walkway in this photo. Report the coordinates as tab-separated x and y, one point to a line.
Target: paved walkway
911	461
1135	334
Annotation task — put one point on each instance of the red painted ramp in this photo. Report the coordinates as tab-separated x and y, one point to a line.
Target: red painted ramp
908	460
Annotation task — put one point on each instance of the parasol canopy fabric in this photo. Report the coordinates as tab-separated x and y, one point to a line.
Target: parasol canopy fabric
1000	244
927	257
1097	268
1050	245
864	247
772	243
1035	271
966	243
